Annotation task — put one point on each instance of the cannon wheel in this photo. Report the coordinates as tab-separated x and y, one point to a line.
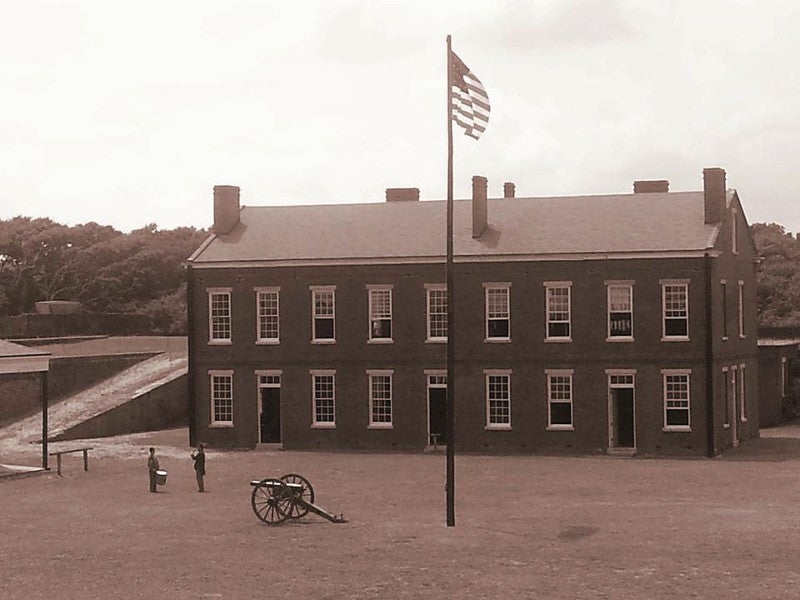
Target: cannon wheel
293	509
267	499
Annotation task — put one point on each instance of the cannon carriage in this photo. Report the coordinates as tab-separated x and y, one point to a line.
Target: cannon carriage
290	496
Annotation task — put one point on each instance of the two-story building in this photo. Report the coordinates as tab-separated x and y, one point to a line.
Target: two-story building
586	324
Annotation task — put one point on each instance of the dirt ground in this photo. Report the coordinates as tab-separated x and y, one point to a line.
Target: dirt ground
527	527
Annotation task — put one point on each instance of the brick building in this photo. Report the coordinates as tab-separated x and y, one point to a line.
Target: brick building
616	323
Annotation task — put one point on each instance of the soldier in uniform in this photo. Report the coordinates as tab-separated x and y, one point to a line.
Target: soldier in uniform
152	466
199	458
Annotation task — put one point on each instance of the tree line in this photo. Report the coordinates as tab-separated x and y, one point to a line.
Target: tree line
142	271
108	271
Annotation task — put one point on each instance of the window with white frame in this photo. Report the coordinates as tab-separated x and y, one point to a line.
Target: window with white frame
742	390
380	399
380	313
558	309
734	247
498	399
727	397
724	293
741	309
676	400
498	316
324	399
221	398
734	393
559	399
436	297
675	306
620	310
323	300
219	315
268	316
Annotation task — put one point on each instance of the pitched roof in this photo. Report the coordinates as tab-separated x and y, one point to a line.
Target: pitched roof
607	224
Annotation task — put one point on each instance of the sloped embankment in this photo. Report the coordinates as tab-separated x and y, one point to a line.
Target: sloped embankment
150	395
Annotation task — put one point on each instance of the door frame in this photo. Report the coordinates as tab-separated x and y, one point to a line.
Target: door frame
262	382
612	442
429	374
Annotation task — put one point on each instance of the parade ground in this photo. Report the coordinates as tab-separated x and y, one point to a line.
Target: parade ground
526	527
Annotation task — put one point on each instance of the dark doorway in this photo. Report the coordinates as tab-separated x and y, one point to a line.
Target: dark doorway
437	405
270	415
623	417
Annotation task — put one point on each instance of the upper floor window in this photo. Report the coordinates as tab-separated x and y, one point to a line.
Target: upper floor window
380	399
323	300
734	247
324	400
558	310
498	399
498	316
724	292
620	310
559	400
676	400
741	309
436	298
221	398
380	313
268	317
675	309
219	316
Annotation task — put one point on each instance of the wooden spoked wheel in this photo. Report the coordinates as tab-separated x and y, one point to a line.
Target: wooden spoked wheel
295	509
269	501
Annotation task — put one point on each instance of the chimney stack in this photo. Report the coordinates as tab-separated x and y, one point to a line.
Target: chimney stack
226	208
508	190
650	186
479	207
402	194
714	194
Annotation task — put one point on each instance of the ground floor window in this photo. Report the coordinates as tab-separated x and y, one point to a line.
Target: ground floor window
221	398
380	399
324	399
559	400
676	400
498	399
742	389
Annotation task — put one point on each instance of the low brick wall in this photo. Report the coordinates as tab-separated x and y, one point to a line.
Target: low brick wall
164	407
36	325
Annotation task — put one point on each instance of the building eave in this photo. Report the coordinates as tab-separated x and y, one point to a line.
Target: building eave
408	260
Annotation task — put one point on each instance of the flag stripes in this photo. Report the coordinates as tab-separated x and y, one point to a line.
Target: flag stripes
469	101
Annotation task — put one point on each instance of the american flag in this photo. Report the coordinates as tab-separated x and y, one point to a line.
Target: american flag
469	101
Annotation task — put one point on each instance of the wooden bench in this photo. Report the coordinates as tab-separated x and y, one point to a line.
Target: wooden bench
85	457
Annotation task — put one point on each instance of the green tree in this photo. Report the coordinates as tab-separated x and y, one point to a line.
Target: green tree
778	275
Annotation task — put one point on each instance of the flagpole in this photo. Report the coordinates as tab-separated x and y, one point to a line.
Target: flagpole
448	270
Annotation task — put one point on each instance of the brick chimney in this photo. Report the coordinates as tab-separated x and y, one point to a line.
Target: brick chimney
226	208
402	194
650	186
508	190
479	205
714	194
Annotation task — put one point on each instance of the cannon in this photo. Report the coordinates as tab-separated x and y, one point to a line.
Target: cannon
290	496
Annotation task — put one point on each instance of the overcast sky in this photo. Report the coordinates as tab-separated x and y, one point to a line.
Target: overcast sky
129	113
